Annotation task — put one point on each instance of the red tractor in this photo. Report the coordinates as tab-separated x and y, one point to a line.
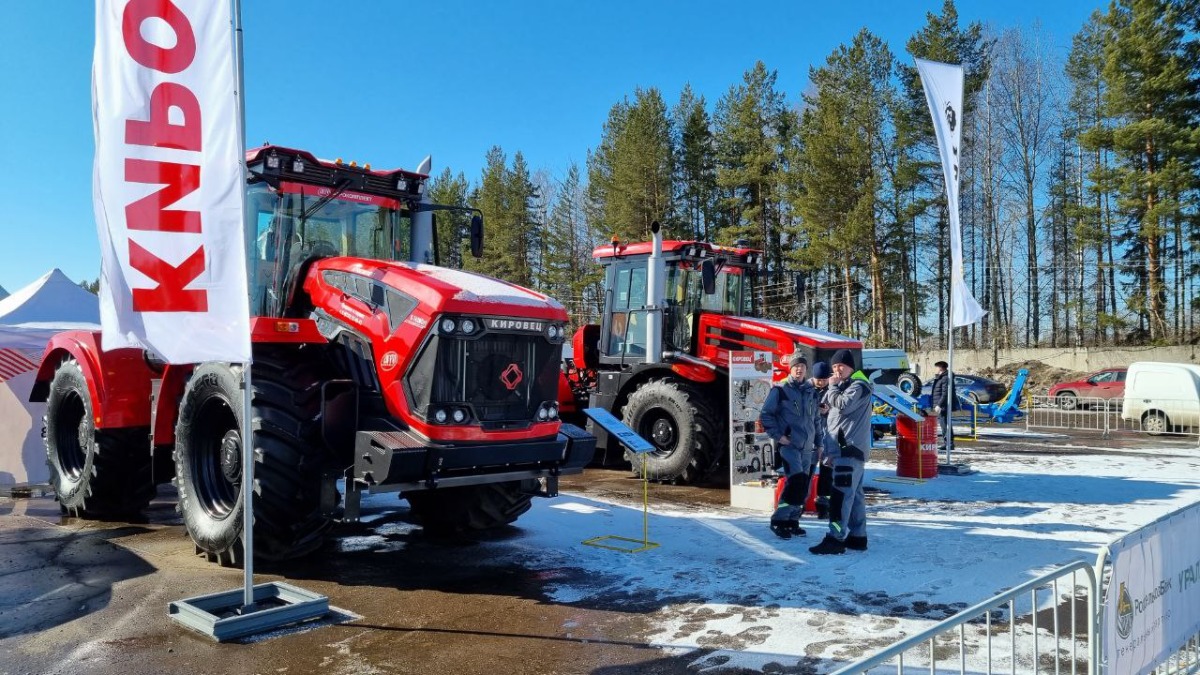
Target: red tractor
370	372
659	359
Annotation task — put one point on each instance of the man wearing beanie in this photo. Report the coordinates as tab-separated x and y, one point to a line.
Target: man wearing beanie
821	372
787	417
849	434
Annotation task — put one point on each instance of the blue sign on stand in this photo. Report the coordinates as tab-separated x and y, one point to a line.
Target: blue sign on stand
628	437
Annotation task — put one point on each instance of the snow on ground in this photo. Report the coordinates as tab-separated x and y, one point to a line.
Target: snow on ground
722	586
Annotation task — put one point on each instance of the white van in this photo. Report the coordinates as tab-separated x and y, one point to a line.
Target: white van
890	366
1162	397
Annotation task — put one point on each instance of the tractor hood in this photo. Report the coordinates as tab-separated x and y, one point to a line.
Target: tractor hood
439	289
721	334
798	334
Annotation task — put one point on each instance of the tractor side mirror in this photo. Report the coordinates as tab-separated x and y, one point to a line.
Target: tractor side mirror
477	236
708	275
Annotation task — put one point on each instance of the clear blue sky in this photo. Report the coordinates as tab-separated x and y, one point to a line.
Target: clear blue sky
389	82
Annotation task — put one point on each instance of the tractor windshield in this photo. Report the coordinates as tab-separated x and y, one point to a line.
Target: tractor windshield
292	225
685	298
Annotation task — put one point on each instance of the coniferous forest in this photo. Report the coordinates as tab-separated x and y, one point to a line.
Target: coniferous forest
1080	183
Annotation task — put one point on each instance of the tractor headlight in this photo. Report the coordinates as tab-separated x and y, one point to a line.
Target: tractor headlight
543	414
468	326
459	416
440	416
448	325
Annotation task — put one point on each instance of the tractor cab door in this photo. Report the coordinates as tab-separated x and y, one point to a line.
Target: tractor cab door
623	329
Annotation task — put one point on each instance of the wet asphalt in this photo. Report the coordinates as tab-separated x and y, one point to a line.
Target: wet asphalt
83	596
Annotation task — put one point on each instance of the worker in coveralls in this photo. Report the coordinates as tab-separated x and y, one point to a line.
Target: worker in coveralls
787	417
848	429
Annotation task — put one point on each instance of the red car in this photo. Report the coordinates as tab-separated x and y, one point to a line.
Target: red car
1105	384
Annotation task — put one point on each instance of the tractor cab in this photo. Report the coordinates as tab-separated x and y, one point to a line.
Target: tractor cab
300	209
698	279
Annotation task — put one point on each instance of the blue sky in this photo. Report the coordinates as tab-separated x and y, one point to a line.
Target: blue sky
389	82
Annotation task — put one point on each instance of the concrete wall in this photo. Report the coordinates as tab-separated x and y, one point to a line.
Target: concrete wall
1070	358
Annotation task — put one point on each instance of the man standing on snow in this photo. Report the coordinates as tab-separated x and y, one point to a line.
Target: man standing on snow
787	417
849	430
939	398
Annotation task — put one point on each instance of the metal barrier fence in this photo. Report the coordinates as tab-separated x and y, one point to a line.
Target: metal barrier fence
1156	417
1004	636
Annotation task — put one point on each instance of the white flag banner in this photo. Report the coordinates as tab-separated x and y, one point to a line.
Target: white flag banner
167	183
943	84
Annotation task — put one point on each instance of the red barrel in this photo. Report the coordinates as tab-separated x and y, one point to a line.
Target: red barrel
916	447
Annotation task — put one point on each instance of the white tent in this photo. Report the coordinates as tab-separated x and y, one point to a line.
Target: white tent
28	318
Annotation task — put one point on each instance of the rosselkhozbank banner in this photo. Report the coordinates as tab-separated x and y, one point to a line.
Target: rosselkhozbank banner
1152	604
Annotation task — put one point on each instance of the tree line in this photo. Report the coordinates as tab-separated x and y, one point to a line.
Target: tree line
1080	180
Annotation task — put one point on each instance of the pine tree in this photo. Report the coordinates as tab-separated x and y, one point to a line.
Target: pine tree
1152	95
695	167
752	130
452	226
630	173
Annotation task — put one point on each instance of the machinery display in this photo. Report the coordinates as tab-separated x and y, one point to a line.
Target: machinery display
659	358
373	371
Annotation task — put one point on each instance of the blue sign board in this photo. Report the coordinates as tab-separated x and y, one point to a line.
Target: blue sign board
628	437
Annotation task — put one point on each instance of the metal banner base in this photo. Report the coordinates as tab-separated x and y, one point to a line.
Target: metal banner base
224	616
955	470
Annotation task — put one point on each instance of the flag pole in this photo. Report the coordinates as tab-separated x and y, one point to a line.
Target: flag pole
247	391
950	400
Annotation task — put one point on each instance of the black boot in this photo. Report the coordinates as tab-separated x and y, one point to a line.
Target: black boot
822	508
782	529
795	529
856	543
828	546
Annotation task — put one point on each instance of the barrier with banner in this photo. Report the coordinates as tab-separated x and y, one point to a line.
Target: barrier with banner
1152	601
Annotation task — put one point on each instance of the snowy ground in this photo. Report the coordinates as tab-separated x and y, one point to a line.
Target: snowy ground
722	587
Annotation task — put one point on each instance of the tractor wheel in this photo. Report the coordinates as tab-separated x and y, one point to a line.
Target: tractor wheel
1156	423
96	473
470	507
682	424
909	384
288	458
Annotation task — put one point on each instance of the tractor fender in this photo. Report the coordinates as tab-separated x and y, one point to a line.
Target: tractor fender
166	403
118	380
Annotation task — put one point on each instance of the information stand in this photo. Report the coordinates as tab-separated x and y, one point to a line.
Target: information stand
641	447
751	451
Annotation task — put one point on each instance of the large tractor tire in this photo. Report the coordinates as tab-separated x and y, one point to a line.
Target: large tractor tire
289	456
469	508
96	473
683	424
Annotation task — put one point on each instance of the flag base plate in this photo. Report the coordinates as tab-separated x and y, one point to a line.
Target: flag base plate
223	616
955	470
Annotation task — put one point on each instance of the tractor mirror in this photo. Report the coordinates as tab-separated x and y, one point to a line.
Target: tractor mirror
477	236
708	274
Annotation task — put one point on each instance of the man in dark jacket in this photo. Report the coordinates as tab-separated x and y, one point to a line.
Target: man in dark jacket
939	398
787	416
849	431
821	372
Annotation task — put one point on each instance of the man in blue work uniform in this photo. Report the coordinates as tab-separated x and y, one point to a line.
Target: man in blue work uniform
787	416
848	429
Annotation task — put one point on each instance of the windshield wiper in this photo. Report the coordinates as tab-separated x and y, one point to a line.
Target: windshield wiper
320	203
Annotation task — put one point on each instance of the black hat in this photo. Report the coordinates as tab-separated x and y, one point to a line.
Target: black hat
941	364
821	371
844	357
797	359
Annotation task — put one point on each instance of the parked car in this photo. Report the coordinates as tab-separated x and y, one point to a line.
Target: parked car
1162	397
1107	384
971	389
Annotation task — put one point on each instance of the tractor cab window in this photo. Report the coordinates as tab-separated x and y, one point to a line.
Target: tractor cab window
627	320
300	223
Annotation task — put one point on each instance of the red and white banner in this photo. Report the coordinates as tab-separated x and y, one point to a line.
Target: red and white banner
167	185
943	84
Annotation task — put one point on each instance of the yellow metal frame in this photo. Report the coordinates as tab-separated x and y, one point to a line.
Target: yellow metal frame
645	543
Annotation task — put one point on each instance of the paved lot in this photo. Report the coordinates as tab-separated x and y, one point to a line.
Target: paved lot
91	597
